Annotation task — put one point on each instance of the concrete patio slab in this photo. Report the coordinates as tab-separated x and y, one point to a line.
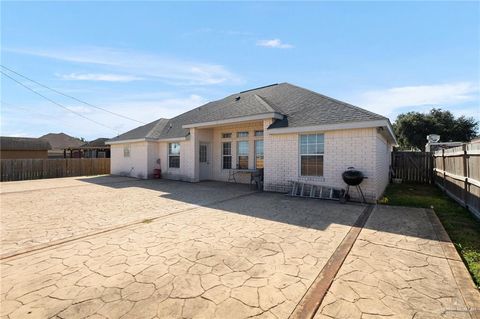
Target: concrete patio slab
398	269
123	248
37	213
243	257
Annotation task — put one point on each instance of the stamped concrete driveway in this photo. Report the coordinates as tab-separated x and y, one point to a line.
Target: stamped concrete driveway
39	212
114	247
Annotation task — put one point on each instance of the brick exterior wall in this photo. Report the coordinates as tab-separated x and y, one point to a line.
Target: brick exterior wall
382	161
135	165
365	149
343	148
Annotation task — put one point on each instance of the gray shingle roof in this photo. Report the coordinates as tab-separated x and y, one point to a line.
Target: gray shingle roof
99	142
300	107
9	143
150	131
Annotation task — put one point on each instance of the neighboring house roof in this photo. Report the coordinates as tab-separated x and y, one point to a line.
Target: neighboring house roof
62	140
99	142
8	143
295	107
148	131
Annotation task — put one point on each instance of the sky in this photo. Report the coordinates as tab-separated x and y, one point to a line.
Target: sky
150	60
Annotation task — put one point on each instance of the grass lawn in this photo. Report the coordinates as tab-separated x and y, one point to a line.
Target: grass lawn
461	226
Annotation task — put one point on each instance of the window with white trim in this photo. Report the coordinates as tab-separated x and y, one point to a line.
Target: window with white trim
174	155
258	133
242	134
227	155
311	154
259	154
126	150
242	154
226	135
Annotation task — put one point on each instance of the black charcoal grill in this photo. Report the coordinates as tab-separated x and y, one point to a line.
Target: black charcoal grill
353	177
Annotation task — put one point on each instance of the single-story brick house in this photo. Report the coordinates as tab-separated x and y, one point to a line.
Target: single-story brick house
293	133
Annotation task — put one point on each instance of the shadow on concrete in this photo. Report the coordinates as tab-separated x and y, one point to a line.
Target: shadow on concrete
301	212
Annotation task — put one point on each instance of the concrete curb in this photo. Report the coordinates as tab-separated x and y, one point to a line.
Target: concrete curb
470	293
311	301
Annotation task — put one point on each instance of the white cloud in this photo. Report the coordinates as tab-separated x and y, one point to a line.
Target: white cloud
99	77
274	43
388	101
49	118
168	69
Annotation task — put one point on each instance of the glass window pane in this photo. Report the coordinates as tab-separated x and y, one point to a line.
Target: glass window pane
174	161
243	148
226	135
303	139
227	162
258	154
259	147
227	148
242	134
320	148
243	162
312	138
303	149
258	133
174	148
203	154
311	166
320	138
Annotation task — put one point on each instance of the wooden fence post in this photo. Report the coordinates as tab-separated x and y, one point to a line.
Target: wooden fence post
444	170
465	174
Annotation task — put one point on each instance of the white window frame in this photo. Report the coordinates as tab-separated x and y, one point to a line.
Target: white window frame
255	151
238	153
230	155
174	155
300	154
247	134
126	150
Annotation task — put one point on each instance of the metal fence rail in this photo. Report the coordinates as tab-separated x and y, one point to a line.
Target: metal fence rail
457	172
26	169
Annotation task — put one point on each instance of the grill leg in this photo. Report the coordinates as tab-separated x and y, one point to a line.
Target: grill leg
361	193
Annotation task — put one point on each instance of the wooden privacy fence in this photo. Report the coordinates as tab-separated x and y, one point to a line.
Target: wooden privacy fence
413	166
457	172
25	169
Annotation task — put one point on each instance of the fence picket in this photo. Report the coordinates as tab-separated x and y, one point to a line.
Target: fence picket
26	169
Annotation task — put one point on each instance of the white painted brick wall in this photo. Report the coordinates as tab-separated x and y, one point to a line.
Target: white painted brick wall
343	148
364	149
382	161
135	165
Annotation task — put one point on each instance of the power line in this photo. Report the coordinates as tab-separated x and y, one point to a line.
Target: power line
56	103
71	97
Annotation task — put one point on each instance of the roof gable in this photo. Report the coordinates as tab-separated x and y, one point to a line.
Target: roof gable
151	130
300	108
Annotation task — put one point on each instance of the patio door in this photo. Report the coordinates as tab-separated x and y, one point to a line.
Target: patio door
205	162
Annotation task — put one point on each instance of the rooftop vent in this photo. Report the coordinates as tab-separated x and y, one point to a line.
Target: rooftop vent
237	98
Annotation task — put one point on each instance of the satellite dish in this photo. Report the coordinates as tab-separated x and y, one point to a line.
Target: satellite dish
433	138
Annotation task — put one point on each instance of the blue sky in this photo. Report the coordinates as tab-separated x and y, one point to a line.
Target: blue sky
149	60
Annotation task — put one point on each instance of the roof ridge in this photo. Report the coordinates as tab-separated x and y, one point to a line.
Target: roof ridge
155	125
258	88
264	103
338	101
